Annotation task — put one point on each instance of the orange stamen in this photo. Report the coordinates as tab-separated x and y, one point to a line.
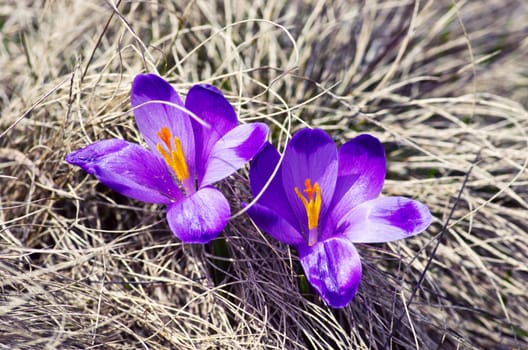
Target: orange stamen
312	204
173	155
165	135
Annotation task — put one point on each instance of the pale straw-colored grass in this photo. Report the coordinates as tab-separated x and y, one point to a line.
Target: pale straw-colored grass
443	84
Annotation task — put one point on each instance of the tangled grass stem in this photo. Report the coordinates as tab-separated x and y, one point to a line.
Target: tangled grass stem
437	82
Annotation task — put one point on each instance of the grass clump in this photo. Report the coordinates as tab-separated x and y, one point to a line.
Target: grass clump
442	84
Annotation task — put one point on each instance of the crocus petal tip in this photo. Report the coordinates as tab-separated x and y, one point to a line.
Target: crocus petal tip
200	217
206	88
333	268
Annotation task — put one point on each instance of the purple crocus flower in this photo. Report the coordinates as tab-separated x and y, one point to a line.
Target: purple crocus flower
184	157
322	201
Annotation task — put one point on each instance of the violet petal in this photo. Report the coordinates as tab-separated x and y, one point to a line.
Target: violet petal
275	225
385	219
129	169
200	217
311	154
232	151
333	268
273	198
360	177
210	105
152	117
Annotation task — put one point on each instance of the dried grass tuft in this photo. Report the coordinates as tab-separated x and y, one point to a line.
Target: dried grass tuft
442	84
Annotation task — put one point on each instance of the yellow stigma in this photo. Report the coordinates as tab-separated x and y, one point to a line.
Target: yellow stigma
312	204
173	155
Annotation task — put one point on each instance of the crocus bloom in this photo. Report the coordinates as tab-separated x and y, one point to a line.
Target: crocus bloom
184	157
322	201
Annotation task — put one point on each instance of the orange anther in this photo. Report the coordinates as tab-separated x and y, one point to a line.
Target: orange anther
313	204
173	156
165	135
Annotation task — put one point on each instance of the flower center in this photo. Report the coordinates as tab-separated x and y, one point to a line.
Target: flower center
174	156
312	206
